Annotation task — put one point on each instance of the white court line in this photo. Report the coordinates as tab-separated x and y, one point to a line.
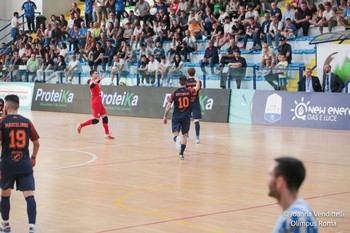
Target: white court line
93	159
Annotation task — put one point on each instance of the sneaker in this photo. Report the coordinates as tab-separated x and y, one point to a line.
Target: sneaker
181	156
111	84
31	230
178	143
79	128
5	228
197	141
109	136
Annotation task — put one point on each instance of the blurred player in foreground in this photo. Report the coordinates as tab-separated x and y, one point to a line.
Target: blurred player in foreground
16	163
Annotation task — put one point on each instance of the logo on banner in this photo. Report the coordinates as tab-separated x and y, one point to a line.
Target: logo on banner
307	112
273	109
54	98
121	102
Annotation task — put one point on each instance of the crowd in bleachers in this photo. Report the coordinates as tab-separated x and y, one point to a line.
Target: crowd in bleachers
110	38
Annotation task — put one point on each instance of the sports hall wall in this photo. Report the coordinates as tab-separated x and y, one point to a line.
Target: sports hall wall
271	108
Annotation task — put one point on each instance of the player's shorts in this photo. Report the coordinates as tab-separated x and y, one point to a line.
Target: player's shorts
24	182
196	111
182	124
98	110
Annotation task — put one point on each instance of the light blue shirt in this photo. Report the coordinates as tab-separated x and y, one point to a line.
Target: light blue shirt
308	85
298	218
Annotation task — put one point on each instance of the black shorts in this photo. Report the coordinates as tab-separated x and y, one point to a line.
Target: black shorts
24	182
196	111
182	124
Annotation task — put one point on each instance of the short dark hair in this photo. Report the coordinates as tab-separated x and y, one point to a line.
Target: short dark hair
292	170
13	100
182	80
92	71
191	71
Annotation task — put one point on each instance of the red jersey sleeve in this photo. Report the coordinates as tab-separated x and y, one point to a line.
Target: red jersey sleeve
34	136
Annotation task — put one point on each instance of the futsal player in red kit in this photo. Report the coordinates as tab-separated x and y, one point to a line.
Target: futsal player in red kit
98	110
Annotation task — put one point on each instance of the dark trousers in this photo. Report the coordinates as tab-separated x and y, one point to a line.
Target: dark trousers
30	23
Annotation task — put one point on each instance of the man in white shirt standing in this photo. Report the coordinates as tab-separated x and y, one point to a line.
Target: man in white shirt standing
14	26
72	69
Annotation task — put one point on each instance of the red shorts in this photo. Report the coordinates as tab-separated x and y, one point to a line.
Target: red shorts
98	110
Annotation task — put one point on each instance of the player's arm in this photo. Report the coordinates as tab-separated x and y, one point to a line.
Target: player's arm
198	84
34	137
167	109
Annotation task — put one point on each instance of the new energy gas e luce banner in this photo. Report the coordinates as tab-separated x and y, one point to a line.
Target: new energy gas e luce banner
124	101
23	90
300	109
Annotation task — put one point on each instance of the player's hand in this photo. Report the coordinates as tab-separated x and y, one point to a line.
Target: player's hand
165	121
103	76
33	162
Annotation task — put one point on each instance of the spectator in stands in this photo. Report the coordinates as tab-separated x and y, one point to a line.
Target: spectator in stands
252	31
222	16
275	31
173	17
217	33
288	13
63	26
228	57
95	56
74	38
345	18
328	18
285	49
111	18
3	51
29	8
237	70
251	13
110	6
33	66
46	68
316	20
175	70
281	72
77	20
119	9
176	46
127	34
88	5
136	35
227	32
183	20
163	69
70	23
14	27
211	57
309	83
194	16
143	67
14	67
130	57
174	28
143	8
48	34
107	57
147	34
118	66
152	67
267	57
289	31
195	29
73	68
265	27
184	6
275	11
189	45
241	16
238	30
158	51
331	82
74	9
302	17
96	33
59	70
101	11
132	16
40	34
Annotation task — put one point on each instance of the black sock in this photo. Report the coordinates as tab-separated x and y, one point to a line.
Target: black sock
183	147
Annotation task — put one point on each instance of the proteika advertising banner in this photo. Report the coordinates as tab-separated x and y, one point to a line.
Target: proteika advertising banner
125	101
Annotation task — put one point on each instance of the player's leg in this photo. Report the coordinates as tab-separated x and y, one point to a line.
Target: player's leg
7	183
96	116
103	114
26	184
176	126
185	127
197	115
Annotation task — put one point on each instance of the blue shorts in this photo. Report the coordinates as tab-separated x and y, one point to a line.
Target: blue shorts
182	124
13	32
24	182
196	111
